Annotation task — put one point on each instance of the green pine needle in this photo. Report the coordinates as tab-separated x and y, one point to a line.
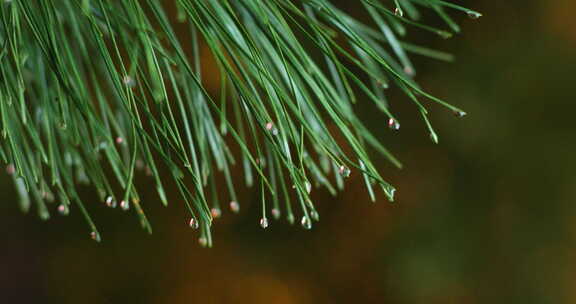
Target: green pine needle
99	92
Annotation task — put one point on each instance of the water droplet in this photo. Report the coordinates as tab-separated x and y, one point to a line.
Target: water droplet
393	124
119	140
139	164
63	209
95	236
264	222
398	12
10	169
203	241
459	114
308	186
216	213
444	34
276	213
306	223
125	205
129	81
344	171
390	192
102	145
409	71
193	223
234	206
110	202
383	84
473	14
270	127
261	161
315	216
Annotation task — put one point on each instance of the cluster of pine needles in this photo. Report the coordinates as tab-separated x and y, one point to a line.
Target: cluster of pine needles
95	91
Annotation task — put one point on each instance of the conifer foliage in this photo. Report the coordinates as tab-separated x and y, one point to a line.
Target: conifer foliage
102	92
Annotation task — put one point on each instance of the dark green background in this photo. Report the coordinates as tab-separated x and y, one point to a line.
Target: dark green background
486	216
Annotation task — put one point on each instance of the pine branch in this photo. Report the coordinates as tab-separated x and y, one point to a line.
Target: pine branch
95	91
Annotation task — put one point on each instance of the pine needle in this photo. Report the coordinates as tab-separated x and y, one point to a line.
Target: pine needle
100	92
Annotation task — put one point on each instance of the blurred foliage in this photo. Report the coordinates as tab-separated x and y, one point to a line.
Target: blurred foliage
486	216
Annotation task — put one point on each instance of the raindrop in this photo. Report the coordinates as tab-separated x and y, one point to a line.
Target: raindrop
306	223
444	34
393	124
193	223
409	71
383	84
129	81
459	114
270	127
473	14
215	212
264	222
276	213
125	205
63	209
95	236
344	171
261	161
315	216
10	169
308	187
110	202
203	241
390	192
234	206
139	164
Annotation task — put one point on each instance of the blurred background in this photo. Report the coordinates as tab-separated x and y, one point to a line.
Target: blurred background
486	216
